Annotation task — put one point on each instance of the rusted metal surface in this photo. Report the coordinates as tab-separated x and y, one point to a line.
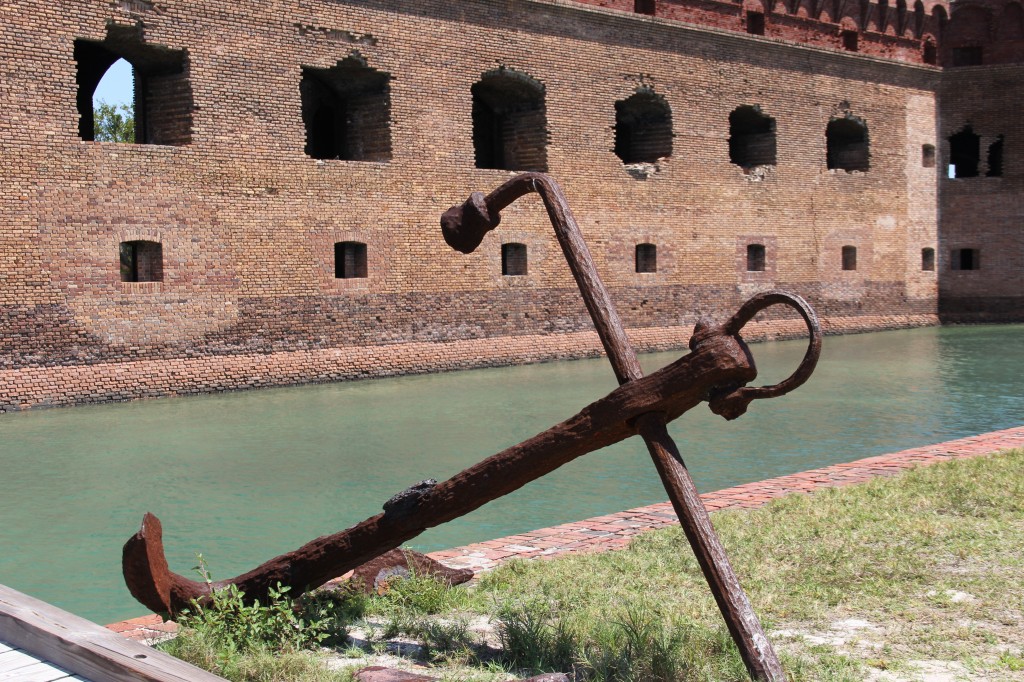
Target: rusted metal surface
717	370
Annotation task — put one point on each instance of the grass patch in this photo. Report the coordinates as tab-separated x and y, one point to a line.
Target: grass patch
922	567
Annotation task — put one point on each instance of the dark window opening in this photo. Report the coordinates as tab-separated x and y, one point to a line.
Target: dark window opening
930	55
849	258
755	23
965	259
644	6
751	138
928	156
513	259
142	261
161	111
509	122
850	39
919	23
349	260
847	144
347	111
755	257
967	56
928	259
646	258
643	128
882	21
964	154
995	158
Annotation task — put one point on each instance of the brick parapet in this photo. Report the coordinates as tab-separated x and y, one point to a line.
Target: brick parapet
615	531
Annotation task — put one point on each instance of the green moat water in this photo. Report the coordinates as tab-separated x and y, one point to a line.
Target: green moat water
243	477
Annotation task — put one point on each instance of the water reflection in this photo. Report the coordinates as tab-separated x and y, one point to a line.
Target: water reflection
242	477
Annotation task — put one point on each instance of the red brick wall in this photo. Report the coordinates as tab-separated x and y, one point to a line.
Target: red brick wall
983	213
248	222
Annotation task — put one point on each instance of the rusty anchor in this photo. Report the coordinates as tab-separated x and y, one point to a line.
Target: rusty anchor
717	370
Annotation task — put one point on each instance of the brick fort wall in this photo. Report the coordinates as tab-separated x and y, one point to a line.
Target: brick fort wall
226	190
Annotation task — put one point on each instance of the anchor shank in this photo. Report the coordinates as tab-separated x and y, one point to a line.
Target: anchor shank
744	626
757	652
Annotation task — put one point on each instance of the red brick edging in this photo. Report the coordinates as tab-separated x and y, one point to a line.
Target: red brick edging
613	531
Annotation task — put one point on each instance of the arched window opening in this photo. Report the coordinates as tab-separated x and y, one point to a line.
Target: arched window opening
882	20
928	156
995	158
928	259
142	261
964	154
509	122
751	138
646	258
161	109
113	104
846	141
851	40
643	128
755	258
513	259
347	111
755	23
645	6
918	19
349	260
849	258
965	259
930	54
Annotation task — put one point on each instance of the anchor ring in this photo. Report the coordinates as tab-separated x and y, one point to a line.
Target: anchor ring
734	403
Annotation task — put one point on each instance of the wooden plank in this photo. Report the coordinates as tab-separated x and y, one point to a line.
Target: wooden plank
37	672
13	660
84	648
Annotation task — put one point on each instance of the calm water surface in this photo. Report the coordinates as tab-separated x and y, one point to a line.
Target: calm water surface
243	477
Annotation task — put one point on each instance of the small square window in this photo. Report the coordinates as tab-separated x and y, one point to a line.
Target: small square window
646	258
142	261
965	259
755	23
849	258
644	7
349	260
928	259
755	257
850	40
513	259
928	156
967	56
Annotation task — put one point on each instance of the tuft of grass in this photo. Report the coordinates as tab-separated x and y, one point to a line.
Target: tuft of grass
246	641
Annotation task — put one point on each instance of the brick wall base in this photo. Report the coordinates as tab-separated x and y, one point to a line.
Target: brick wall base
33	387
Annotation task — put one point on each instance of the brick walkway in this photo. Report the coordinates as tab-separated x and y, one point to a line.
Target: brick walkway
616	530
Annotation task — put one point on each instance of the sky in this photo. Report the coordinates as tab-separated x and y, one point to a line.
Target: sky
117	85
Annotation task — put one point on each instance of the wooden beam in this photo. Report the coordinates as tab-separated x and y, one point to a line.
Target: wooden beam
85	648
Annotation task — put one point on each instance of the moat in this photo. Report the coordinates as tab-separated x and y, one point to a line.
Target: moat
242	477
